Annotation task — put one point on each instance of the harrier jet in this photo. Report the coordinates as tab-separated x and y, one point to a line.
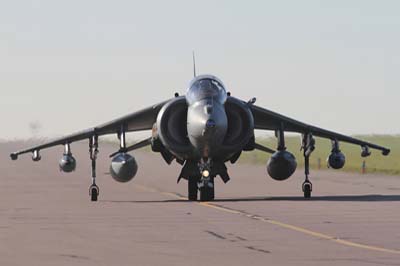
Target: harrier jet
202	131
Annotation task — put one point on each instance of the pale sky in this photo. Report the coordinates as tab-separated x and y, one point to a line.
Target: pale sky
70	65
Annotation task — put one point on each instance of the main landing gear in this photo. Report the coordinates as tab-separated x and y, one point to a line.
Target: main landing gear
93	151
192	188
308	145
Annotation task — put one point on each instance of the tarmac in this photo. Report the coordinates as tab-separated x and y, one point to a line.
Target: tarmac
47	217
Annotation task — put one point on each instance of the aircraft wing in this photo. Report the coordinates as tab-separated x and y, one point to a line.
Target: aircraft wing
269	120
140	120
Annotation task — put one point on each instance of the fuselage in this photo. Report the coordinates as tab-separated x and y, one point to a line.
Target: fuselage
207	122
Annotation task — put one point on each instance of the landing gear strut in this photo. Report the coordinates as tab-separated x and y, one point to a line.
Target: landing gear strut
308	145
201	179
307	185
207	191
206	182
93	151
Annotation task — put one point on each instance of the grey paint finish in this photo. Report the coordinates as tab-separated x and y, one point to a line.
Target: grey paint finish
145	119
140	120
269	120
207	125
203	130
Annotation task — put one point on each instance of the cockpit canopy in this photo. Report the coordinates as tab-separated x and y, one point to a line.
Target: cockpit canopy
206	87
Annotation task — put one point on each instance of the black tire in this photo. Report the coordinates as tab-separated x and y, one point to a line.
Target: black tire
212	193
192	189
94	194
207	193
307	191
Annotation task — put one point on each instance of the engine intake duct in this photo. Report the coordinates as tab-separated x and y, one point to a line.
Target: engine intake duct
240	126
171	128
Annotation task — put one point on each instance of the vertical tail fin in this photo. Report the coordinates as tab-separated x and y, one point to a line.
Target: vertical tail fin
194	64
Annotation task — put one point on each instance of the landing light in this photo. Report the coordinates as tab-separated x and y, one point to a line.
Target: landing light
206	173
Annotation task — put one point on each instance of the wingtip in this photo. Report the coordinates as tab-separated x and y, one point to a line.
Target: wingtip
386	152
14	156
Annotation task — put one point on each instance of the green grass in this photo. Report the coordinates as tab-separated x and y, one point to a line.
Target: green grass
375	163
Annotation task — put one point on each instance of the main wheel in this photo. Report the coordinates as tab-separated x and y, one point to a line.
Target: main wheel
192	188
207	193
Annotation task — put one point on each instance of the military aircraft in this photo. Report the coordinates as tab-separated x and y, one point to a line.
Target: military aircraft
202	131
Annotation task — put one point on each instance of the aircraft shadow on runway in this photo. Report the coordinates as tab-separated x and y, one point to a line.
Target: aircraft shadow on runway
350	198
373	197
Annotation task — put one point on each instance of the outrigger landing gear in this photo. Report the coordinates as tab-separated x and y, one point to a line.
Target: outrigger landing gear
307	185
93	151
308	146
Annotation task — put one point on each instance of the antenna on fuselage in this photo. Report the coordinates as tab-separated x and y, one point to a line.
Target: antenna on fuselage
194	64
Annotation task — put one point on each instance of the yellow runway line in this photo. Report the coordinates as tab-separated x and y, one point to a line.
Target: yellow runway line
206	204
303	230
280	224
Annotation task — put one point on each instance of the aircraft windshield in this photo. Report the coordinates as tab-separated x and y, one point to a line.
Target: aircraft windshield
206	88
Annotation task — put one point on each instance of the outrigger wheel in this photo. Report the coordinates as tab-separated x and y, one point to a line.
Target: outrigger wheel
307	188
94	192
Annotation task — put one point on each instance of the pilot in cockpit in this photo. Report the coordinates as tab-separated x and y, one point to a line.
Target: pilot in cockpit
206	88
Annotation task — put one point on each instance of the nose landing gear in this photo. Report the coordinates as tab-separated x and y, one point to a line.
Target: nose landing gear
207	191
204	182
204	185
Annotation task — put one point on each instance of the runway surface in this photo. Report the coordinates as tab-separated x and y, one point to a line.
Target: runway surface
47	218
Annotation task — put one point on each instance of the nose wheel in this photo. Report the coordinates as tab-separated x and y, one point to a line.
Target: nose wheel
207	190
206	183
204	186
